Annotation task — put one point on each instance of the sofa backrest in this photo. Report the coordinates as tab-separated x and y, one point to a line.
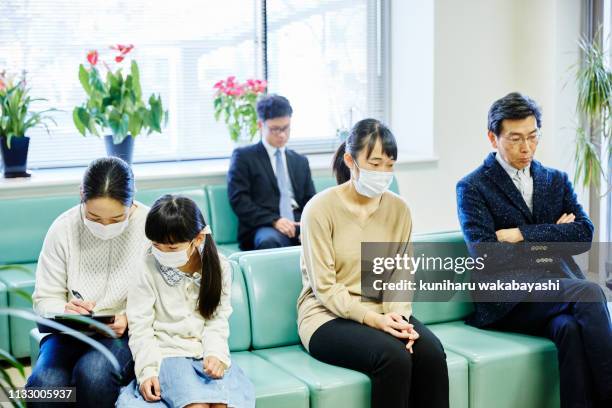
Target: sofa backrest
223	220
273	282
443	244
240	321
25	221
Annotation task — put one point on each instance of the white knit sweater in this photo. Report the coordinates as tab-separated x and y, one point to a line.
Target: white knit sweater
72	258
164	320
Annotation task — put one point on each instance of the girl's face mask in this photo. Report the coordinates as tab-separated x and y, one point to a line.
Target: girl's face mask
179	258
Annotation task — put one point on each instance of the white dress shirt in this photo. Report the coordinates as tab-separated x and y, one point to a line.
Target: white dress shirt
271	154
521	178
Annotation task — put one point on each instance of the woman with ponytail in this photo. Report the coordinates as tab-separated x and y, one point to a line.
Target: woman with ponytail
337	322
85	266
178	311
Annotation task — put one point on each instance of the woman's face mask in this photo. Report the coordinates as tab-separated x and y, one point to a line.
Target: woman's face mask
105	218
372	183
106	232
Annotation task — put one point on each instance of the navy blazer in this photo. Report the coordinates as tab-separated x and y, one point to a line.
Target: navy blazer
488	200
253	189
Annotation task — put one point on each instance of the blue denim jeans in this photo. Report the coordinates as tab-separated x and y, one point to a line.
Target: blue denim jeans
67	362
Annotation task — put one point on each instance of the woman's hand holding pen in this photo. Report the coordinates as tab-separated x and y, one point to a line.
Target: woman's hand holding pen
78	305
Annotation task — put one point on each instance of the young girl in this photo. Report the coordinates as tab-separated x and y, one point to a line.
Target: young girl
178	311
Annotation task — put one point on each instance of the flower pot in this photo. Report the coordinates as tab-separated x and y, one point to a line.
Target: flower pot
15	159
123	150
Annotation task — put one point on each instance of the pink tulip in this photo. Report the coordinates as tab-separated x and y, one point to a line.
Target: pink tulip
92	57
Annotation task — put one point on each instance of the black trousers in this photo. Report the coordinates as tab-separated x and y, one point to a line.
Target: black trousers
399	379
582	332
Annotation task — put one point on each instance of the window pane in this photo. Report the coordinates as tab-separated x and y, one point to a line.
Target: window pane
182	47
318	57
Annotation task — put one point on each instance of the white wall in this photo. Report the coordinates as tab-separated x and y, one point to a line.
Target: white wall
483	49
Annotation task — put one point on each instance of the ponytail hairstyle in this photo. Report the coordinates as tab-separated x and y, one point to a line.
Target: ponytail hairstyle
363	135
176	219
108	177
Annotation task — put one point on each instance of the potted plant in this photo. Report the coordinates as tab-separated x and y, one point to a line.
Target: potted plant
238	104
16	118
593	149
594	107
115	106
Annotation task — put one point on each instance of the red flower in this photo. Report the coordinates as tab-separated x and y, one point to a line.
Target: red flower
119	58
92	57
218	85
126	48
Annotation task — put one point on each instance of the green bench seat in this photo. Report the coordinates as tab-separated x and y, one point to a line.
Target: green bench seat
274	388
273	282
506	370
5	342
16	279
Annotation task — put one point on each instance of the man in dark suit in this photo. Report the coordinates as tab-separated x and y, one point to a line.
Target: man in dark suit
512	201
268	184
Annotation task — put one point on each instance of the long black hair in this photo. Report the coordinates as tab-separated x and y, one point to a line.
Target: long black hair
176	219
363	135
108	177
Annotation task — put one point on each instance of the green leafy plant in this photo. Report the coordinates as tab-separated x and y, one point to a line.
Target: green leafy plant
238	104
8	361
6	382
594	105
115	102
16	114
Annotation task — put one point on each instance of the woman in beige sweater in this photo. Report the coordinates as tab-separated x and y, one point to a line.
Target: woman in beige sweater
404	359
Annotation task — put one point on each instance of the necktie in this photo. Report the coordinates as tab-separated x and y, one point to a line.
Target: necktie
283	185
518	177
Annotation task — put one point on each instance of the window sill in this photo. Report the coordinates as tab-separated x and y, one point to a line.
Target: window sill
159	175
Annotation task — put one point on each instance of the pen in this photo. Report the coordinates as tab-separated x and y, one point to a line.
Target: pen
77	295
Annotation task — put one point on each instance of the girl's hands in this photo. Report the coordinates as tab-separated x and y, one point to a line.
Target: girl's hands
213	367
150	389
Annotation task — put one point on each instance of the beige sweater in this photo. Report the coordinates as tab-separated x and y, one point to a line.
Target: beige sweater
164	320
331	258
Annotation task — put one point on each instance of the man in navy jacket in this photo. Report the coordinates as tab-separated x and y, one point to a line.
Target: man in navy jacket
513	201
268	184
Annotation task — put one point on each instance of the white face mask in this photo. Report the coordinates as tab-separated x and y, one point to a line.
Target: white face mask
174	259
177	259
372	183
106	232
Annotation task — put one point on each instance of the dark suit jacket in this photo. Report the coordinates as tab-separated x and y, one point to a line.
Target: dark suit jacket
253	189
488	200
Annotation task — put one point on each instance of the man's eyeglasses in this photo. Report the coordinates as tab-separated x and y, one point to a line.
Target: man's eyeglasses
532	139
278	130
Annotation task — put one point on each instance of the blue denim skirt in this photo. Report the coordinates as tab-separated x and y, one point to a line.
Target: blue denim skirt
182	381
